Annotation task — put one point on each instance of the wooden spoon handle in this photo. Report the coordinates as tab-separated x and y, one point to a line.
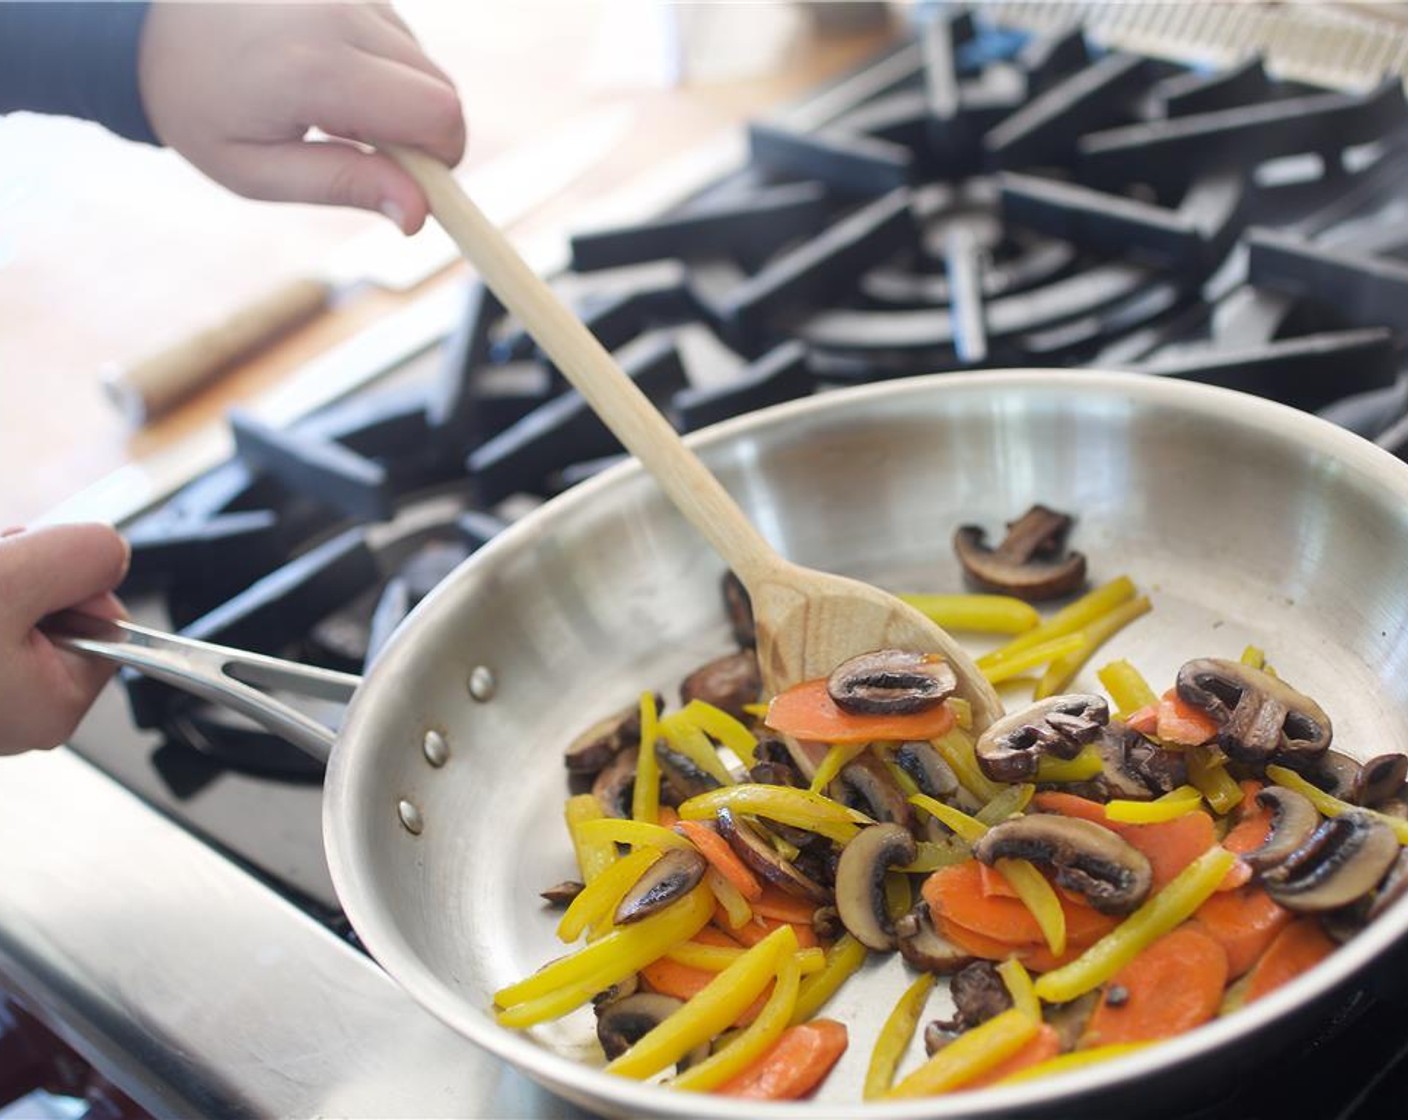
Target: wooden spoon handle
589	366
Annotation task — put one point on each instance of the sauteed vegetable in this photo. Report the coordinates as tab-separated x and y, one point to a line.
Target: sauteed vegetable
1091	873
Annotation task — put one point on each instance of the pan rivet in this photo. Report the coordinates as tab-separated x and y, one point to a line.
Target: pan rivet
437	751
481	683
410	817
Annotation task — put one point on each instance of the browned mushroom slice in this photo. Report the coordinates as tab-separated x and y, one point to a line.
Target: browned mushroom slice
739	608
1380	779
1394	886
613	786
561	894
939	1034
1344	859
1134	768
1069	1019
924	947
765	861
867	785
618	991
860	882
624	1022
1009	750
979	993
673	875
1031	561
891	682
1260	715
1107	871
1293	820
595	747
927	767
727	682
682	774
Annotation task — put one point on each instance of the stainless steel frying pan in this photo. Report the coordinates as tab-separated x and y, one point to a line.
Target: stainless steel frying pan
1246	522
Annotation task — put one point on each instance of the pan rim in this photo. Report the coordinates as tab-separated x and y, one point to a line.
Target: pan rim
593	1088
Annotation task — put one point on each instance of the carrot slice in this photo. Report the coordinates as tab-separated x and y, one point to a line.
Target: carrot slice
717	851
1182	723
1298	947
670	978
1045	1045
807	711
667	816
1069	805
994	884
1244	922
750	933
773	902
713	935
1171	987
795	1064
1035	956
956	892
1144	720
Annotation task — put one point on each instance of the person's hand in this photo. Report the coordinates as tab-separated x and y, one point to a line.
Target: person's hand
45	690
235	89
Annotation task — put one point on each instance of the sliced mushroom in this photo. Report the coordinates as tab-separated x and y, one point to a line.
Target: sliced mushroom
618	991
1334	772
1394	886
866	784
1344	924
979	993
860	882
1344	858
613	786
1134	768
826	923
924	947
922	762
1261	715
620	1025
682	774
891	682
1069	1019
739	608
727	682
1293	820
1031	562
561	894
595	747
775	765
939	1034
673	875
1107	871
1009	750
762	858
1380	779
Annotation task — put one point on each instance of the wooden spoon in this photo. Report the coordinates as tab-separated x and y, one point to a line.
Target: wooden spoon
807	622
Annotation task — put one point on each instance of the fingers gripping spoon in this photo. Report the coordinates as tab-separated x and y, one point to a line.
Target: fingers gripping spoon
807	621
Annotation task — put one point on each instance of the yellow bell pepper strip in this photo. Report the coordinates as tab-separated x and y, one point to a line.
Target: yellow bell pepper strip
749	1044
836	758
1039	897
1331	806
899	894
983	614
724	728
614	830
1207	772
1018	982
687	739
593	856
716	958
604	893
1001	665
842	961
1097	632
1013	799
717	1005
1188	890
1076	1059
621	952
1068	619
970	1055
798	807
1254	656
1086	765
962	712
960	823
1175	803
757	711
645	795
729	897
1126	686
902	778
894	1037
956	748
934	854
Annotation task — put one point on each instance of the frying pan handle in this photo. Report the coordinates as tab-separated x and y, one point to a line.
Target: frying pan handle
219	674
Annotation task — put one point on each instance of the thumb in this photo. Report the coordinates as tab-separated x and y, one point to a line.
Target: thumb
330	173
59	566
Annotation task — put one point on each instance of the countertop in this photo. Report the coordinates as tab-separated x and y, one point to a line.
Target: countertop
109	249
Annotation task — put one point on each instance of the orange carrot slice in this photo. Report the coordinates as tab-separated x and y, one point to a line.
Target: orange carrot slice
1036	956
1171	987
807	711
993	883
1297	948
773	902
670	978
956	892
1244	922
1182	723
1046	1044
717	851
750	933
794	1065
1145	720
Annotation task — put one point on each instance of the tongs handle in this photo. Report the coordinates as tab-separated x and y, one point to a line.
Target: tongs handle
222	675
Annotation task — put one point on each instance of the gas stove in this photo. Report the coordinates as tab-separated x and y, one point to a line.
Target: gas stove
976	197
